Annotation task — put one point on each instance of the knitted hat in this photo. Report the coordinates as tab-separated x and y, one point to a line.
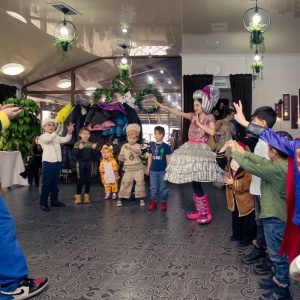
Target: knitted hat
133	129
109	149
209	95
48	120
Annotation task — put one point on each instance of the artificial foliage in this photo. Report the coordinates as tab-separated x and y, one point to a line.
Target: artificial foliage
121	84
147	91
97	95
123	69
144	152
62	45
22	129
257	37
257	68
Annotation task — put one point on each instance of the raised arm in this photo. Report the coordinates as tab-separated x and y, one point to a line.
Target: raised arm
171	110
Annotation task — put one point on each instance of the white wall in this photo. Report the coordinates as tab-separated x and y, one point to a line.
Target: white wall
281	74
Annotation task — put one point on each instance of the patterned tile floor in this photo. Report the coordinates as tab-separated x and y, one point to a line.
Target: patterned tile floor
99	251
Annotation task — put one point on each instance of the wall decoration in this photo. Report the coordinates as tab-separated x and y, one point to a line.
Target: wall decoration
286	107
98	95
294	112
147	91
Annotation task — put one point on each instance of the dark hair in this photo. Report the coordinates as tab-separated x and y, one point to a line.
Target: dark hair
228	111
199	99
287	136
265	113
160	129
84	129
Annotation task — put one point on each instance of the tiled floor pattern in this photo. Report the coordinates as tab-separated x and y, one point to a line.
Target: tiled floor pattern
99	251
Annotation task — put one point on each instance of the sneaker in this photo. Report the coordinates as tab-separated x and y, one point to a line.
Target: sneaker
267	283
23	175
163	206
106	196
57	204
152	205
78	199
254	256
119	203
86	198
27	288
277	293
142	203
114	196
45	208
263	267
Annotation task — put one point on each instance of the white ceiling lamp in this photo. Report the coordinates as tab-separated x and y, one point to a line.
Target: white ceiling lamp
13	69
17	16
124	61
64	83
256	56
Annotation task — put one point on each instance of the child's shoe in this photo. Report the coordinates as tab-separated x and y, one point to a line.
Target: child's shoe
106	196
115	196
163	206
142	203
119	203
152	205
78	199
86	198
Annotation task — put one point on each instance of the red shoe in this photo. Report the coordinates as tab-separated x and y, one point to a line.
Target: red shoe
163	206
152	205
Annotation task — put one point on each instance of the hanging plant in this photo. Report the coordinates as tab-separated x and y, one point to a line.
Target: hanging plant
121	84
98	93
257	37
257	67
62	45
147	91
123	69
19	135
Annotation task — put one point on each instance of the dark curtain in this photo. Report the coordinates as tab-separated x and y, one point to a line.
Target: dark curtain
191	83
241	89
7	91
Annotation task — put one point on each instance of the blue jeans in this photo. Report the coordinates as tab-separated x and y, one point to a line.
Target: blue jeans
274	230
157	182
50	180
260	236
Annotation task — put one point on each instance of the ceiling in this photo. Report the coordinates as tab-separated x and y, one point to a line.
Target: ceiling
157	27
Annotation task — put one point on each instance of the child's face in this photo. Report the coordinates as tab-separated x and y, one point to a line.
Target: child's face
105	153
132	139
37	139
158	136
259	122
85	135
49	127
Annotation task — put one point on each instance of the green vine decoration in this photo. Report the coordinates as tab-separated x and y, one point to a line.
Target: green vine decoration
62	45
97	95
257	37
121	84
147	91
123	69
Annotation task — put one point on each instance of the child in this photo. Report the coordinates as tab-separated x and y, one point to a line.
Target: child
159	158
194	161
273	211
84	152
109	171
34	163
133	166
50	142
239	199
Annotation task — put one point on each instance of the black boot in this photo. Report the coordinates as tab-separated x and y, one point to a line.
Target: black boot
24	174
264	267
253	256
277	293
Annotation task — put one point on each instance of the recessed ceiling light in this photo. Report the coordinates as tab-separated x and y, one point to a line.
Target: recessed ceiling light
13	69
17	16
90	90
64	83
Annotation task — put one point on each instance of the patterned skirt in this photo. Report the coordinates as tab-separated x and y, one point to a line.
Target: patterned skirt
193	162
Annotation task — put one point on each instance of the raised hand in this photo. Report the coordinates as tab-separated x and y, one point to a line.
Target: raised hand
94	146
156	103
10	110
239	116
70	127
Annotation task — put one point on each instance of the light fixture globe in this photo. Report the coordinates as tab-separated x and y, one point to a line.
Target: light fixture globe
124	61
13	69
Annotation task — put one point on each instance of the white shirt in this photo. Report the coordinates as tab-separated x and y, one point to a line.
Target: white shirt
51	146
260	149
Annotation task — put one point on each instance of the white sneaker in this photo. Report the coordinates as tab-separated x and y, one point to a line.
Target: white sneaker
142	203
119	203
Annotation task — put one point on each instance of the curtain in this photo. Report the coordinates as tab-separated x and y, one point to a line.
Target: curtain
191	83
241	89
7	91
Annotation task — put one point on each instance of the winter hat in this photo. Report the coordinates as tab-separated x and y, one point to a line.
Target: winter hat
133	129
48	120
209	95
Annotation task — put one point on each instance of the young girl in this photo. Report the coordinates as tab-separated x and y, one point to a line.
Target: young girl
194	161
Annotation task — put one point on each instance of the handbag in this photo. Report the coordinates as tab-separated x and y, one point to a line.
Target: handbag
212	143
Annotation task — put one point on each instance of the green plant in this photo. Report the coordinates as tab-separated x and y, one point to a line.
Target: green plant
97	95
19	135
257	68
121	84
257	37
147	91
144	153
62	45
123	69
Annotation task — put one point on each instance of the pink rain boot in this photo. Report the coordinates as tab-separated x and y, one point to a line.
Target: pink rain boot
193	215
204	210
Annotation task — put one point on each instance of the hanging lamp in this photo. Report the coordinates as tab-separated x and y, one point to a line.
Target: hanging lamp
124	61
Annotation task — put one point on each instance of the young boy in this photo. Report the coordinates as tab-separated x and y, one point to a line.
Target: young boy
84	152
264	116
273	211
159	158
133	167
50	142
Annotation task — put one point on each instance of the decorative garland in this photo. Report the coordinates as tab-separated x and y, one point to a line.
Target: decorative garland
147	91
97	94
121	84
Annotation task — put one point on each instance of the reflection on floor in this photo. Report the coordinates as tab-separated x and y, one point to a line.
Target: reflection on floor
99	251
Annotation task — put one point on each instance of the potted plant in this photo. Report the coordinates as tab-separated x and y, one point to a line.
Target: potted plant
62	45
123	69
257	36
257	67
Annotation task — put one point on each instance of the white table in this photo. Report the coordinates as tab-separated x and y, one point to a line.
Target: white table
11	165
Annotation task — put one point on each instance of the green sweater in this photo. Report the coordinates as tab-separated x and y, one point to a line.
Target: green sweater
273	182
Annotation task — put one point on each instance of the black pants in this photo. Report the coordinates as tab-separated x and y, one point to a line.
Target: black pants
197	187
84	174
